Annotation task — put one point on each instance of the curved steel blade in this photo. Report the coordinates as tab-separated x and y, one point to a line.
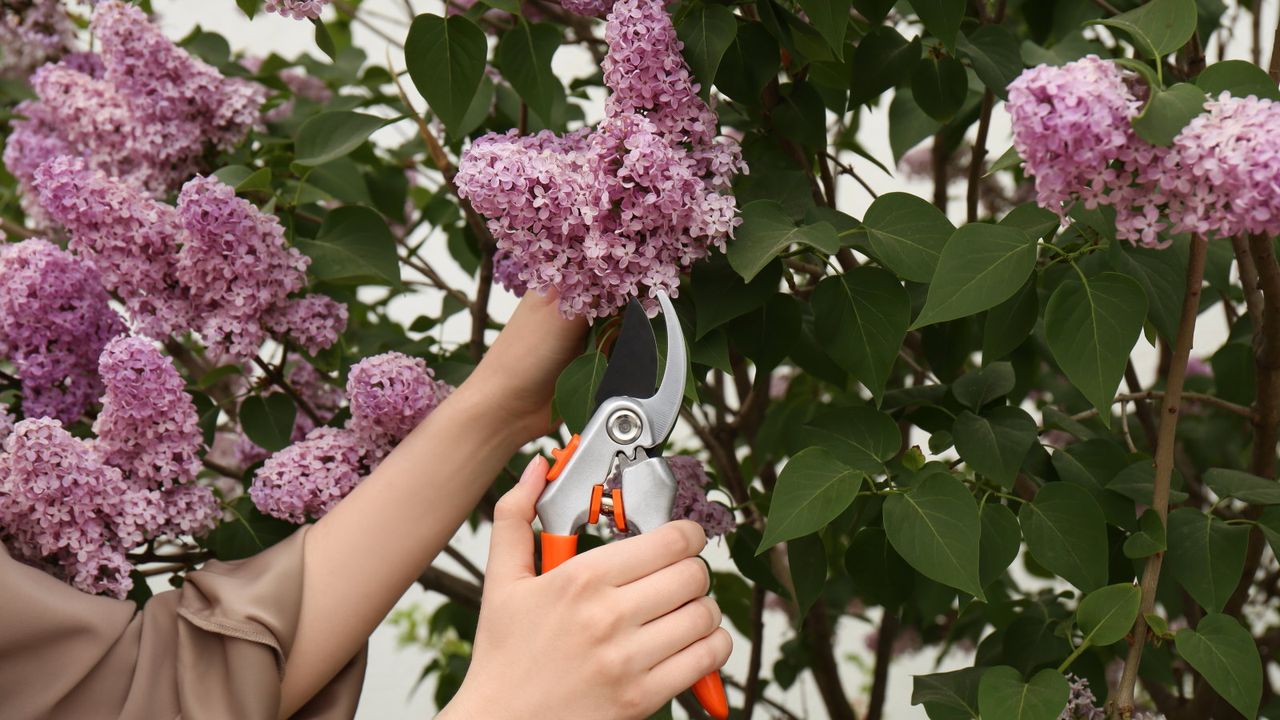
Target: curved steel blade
633	365
663	408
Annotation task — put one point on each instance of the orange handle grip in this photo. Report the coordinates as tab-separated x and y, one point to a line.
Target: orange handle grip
556	549
710	693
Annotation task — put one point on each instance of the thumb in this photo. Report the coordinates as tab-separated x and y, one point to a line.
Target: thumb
511	542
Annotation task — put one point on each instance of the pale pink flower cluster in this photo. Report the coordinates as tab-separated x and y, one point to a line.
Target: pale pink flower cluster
54	322
296	9
691	497
619	211
142	109
32	33
388	395
215	263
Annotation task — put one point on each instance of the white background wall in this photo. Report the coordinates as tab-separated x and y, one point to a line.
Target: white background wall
389	687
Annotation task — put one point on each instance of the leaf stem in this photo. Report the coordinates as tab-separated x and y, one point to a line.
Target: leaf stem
1170	410
1074	654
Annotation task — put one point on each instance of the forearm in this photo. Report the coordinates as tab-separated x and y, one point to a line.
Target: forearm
362	556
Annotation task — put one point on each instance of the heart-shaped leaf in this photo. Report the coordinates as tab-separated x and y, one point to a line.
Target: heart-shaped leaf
935	527
1067	534
813	489
981	266
1106	615
1225	654
1003	694
767	231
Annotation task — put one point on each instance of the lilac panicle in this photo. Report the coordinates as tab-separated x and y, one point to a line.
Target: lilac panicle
235	265
296	9
312	322
606	215
54	321
130	237
63	510
33	33
388	395
691	497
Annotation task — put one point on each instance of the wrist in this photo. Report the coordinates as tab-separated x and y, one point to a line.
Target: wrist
481	405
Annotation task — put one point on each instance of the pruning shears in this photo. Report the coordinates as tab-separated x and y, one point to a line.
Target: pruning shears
631	422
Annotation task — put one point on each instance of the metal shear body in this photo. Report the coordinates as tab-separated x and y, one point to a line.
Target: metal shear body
627	431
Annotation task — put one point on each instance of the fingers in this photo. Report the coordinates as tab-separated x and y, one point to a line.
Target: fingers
511	543
629	560
680	671
658	594
677	630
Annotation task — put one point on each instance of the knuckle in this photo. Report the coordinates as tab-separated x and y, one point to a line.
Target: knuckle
671	540
724	646
632	701
694	536
712	615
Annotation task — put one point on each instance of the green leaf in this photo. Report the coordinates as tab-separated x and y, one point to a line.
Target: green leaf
861	321
1240	78
1206	556
767	231
1225	654
1001	540
751	62
861	437
1137	481
720	294
332	134
975	389
1091	327
1159	27
1149	539
250	7
935	527
1167	112
1008	160
1243	486
807	559
801	115
267	420
878	573
707	32
1162	274
813	489
1067	534
831	18
324	40
354	245
874	11
245	179
940	86
957	690
1106	615
981	266
576	389
248	533
942	18
1003	694
445	58
1010	323
525	53
1269	524
907	233
883	59
995	444
908	124
996	55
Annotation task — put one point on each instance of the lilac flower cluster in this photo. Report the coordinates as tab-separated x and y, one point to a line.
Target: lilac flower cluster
1072	126
6	424
622	210
389	395
506	272
296	9
1081	704
54	321
33	33
691	497
593	8
63	510
215	263
1220	178
142	109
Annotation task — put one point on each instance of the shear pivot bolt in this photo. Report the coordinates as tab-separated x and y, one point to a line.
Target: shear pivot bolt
624	427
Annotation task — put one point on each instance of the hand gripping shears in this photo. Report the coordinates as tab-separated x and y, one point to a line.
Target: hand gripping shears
631	423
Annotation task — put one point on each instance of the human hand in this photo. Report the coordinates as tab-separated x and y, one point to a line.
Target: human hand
518	374
613	633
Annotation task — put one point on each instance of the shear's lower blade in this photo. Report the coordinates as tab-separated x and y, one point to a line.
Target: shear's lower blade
633	365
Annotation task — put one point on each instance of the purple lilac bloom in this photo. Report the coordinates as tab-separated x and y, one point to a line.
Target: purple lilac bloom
620	211
33	33
312	322
389	394
149	429
235	265
131	238
593	8
63	510
691	497
1081	704
6	424
506	272
143	110
306	479
1221	178
1072	126
54	321
296	9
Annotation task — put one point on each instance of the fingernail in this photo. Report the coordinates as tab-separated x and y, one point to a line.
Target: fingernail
537	468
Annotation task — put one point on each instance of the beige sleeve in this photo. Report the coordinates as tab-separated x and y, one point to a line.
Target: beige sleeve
213	649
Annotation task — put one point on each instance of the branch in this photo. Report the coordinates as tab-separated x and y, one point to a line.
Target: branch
752	690
1267	358
979	159
277	378
430	273
1274	69
9	227
940	158
1170	409
461	591
884	656
223	469
1215	401
779	708
1248	278
1141	407
1106	7
817	631
465	562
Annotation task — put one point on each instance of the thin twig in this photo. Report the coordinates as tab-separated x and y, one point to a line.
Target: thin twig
1141	407
780	708
223	469
1107	7
817	632
277	378
351	12
463	592
1215	401
978	161
884	656
9	227
465	562
848	170
1274	68
1248	278
1169	411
